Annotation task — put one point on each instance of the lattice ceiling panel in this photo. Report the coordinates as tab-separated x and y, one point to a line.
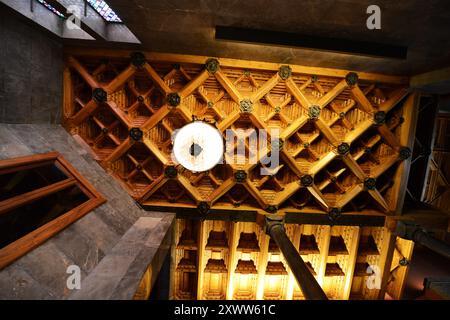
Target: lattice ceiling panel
343	135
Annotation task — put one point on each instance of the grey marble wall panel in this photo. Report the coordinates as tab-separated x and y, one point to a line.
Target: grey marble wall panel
31	66
41	274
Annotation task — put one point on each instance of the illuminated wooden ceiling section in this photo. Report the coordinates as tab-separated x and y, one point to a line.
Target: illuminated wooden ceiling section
238	261
343	135
345	144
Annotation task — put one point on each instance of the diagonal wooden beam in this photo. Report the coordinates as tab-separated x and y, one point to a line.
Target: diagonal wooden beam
228	121
156	152
395	98
255	193
23	199
288	191
228	86
119	151
388	136
74	63
362	99
333	93
85	112
358	131
221	190
290	161
120	79
354	167
152	188
317	194
376	195
293	127
194	84
119	114
319	165
156	118
184	112
349	195
326	131
265	88
157	79
193	192
257	122
385	164
297	93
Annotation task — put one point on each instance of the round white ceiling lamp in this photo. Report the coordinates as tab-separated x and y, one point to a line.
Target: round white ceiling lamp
198	146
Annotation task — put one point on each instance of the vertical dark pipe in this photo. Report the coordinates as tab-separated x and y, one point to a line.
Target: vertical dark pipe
308	284
411	231
431	243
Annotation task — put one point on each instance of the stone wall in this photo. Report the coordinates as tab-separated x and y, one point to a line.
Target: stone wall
31	65
41	274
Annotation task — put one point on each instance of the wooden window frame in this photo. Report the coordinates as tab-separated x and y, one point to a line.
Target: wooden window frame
30	241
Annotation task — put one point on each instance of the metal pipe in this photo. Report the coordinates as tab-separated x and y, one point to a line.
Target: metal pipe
411	231
431	243
308	284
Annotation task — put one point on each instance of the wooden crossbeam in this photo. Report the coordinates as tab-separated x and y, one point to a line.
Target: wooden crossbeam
293	127
349	195
317	194
364	103
221	100
228	86
287	192
393	100
255	193
120	79
156	118
24	199
354	167
327	132
74	63
119	151
333	93
265	88
221	190
297	93
84	113
376	195
322	163
388	136
157	79
153	187
156	151
194	84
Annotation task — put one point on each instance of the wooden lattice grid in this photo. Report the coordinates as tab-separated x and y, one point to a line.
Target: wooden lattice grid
343	134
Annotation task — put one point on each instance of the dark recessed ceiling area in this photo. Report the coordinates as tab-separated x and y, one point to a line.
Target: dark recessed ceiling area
188	27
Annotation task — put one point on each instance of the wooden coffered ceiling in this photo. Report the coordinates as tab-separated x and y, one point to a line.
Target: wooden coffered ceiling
344	135
345	138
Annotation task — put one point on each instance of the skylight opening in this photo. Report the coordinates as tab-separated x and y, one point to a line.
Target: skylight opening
105	10
52	9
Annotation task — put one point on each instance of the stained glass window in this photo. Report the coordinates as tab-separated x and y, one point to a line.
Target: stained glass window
104	10
51	8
